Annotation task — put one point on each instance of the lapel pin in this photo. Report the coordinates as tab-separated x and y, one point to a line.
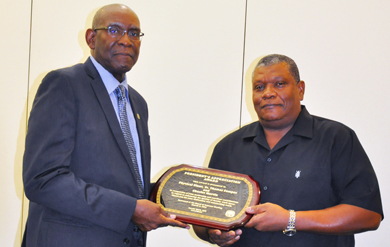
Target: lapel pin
138	116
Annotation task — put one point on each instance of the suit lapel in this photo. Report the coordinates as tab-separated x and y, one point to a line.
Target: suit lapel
143	136
105	102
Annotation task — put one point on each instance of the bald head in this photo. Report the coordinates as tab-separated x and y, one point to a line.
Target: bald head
116	53
103	13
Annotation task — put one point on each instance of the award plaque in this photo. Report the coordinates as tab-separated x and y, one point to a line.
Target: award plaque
206	197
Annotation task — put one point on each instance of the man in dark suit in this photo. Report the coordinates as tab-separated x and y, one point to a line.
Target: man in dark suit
87	180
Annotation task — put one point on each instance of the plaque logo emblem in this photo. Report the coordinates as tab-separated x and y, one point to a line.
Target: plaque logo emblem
230	213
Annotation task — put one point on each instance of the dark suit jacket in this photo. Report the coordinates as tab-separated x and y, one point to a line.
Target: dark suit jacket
77	171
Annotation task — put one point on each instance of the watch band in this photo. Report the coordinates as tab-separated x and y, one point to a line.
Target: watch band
290	230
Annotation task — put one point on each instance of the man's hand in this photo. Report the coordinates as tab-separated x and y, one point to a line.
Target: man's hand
268	217
338	220
149	216
223	238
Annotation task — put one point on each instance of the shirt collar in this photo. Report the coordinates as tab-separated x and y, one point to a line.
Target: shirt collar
303	126
109	81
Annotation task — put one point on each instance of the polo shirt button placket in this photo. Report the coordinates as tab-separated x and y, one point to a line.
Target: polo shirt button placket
266	187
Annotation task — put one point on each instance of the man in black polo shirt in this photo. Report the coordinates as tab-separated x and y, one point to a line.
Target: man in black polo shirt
317	184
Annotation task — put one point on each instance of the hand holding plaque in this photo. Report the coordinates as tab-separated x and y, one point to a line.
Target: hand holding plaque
206	197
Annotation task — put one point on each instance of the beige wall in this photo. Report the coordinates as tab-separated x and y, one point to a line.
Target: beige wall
190	71
14	54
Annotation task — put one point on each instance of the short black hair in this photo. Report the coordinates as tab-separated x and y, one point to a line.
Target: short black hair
276	59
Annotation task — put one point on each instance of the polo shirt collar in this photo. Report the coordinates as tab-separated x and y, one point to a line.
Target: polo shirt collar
303	126
255	131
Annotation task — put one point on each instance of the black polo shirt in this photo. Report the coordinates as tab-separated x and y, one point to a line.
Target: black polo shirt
318	164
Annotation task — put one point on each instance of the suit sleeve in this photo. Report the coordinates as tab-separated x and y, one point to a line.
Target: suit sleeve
47	174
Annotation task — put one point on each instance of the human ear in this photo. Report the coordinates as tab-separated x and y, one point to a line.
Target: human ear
90	37
301	88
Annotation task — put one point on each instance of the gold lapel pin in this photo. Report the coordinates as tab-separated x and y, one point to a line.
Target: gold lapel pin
138	116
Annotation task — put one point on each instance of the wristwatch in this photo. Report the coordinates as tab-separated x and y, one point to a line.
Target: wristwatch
290	230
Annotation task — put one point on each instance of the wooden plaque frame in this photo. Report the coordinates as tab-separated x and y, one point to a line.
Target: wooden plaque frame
206	197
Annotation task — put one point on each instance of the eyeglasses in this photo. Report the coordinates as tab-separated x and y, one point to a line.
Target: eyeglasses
118	32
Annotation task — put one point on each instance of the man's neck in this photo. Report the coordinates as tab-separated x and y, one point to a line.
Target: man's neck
273	136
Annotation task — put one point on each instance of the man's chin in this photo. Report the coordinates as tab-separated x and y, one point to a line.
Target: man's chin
269	120
269	116
123	68
125	64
